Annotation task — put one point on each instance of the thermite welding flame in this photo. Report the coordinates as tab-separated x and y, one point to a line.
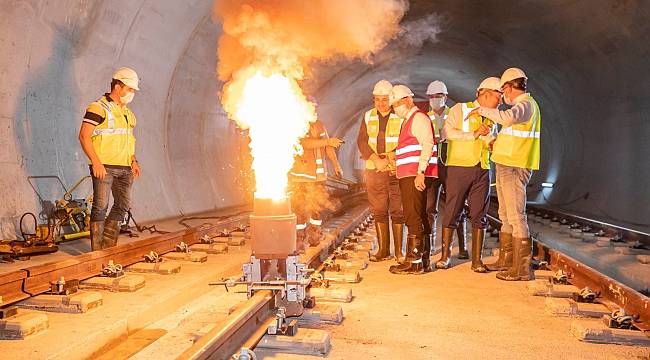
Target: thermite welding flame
264	52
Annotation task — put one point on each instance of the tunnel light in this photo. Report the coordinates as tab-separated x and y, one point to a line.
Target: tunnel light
547	184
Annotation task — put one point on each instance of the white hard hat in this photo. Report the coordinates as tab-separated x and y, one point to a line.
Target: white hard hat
128	76
382	88
511	74
437	87
492	83
399	92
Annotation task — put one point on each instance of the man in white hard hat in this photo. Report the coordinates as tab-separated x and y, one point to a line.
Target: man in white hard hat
377	140
516	153
438	112
106	137
468	170
416	160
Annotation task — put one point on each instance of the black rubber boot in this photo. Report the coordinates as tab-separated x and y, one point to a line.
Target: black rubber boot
398	240
426	253
478	236
111	233
300	241
462	241
383	240
445	257
505	253
413	262
521	268
96	235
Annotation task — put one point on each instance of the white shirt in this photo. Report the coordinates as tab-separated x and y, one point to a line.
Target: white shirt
421	130
520	112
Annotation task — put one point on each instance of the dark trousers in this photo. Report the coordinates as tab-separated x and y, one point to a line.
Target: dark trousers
384	196
414	204
473	184
117	181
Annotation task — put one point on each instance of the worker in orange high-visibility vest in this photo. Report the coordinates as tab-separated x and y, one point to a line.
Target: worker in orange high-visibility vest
516	153
416	162
307	178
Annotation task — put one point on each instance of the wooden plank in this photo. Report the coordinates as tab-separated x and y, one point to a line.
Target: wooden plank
331	294
126	283
544	274
214	248
22	325
352	277
79	302
163	268
568	307
352	264
321	314
305	342
199	257
595	331
545	288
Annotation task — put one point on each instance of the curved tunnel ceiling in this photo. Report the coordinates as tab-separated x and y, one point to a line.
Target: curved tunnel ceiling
586	62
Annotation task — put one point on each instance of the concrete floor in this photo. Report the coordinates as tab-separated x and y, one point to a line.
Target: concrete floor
454	314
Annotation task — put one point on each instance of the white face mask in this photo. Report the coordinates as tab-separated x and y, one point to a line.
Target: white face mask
127	98
401	110
437	103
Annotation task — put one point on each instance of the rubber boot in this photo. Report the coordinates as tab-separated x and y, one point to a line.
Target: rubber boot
398	240
313	234
521	267
383	240
505	253
478	236
413	262
445	257
426	254
300	241
111	233
462	241
96	235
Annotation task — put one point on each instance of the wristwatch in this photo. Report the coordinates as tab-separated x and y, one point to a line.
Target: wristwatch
421	172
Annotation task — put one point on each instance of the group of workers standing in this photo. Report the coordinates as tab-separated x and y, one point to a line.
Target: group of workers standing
416	161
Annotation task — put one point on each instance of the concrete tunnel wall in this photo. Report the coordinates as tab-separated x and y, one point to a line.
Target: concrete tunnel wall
585	60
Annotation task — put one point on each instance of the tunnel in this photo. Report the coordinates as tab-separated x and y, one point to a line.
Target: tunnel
586	62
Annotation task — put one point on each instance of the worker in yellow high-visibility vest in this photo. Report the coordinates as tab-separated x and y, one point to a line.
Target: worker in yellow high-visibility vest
516	153
377	141
468	170
106	137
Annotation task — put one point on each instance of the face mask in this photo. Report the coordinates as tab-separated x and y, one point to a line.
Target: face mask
437	103
401	110
127	98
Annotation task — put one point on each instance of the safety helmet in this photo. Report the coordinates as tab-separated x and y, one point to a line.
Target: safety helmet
437	87
399	92
492	83
511	74
382	88
127	76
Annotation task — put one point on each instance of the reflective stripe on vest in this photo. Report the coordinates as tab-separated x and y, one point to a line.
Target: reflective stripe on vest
468	153
310	166
391	135
113	139
438	127
519	145
407	154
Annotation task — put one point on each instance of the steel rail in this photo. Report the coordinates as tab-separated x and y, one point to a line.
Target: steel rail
22	284
581	275
228	337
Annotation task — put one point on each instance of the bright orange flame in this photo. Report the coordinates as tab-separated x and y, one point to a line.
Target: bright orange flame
276	114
